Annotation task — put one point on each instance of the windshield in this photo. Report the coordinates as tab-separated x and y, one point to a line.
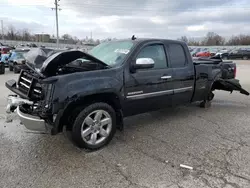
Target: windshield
112	53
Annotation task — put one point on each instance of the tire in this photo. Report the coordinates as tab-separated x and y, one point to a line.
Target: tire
245	58
10	68
205	104
16	70
93	138
2	69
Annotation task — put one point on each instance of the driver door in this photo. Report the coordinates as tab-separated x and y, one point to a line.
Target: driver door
149	89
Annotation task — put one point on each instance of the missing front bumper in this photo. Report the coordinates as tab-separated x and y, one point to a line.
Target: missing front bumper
31	122
14	102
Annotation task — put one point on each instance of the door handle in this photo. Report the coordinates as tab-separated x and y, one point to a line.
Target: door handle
166	77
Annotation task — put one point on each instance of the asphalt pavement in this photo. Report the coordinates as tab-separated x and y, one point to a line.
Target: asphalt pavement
215	142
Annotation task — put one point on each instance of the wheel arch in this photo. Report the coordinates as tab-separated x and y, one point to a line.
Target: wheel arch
75	107
216	76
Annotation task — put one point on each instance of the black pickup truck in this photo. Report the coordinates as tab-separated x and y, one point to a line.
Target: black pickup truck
91	93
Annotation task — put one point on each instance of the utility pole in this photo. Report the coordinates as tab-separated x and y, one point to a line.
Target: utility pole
2	30
57	27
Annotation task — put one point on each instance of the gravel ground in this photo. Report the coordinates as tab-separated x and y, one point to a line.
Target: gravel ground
148	153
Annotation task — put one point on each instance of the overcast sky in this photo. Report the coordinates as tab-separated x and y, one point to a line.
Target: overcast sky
122	19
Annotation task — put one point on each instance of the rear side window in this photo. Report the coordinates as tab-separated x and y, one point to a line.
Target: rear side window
177	55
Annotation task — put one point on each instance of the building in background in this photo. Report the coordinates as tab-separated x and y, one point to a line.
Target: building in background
42	37
62	41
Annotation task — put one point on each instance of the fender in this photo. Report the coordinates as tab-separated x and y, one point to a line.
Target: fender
215	77
74	106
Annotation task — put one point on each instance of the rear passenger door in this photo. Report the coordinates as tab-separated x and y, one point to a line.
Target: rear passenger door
183	73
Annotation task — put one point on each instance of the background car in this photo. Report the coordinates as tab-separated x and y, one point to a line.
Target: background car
203	54
213	51
222	52
17	60
4	49
195	51
236	54
31	45
3	62
4	59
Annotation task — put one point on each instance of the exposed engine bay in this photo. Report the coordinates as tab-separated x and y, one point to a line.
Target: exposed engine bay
79	65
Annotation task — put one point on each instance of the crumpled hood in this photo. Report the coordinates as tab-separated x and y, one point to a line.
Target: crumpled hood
36	56
46	61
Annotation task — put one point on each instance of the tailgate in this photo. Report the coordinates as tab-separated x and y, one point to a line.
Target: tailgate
229	85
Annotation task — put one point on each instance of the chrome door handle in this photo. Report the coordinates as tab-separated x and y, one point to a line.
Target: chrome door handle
166	77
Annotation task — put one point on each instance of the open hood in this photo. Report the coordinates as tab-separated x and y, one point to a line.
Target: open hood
46	61
36	57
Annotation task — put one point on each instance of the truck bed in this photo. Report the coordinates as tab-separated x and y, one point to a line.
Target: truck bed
206	70
228	67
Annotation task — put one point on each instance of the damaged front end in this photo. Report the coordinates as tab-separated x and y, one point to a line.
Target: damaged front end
34	101
22	108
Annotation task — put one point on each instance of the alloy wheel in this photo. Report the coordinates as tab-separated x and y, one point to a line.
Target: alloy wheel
96	127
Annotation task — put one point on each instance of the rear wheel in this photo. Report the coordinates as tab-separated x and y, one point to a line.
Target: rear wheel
94	127
207	103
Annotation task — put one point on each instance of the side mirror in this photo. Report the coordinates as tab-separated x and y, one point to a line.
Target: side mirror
144	63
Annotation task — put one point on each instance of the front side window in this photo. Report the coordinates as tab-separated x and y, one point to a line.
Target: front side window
155	52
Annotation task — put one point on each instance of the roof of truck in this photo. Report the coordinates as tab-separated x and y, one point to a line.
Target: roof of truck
138	40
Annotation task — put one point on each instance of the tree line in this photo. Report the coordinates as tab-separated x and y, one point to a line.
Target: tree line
211	38
11	33
214	39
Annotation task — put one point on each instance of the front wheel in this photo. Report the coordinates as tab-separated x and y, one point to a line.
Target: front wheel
95	126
